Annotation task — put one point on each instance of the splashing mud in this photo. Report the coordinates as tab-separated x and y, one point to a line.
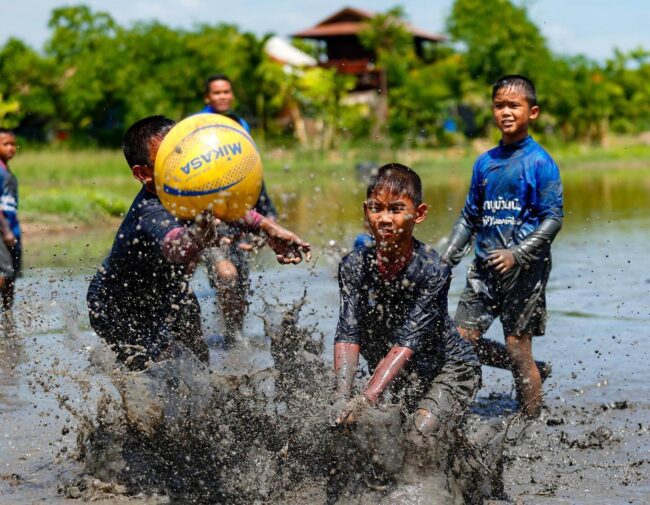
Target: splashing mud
182	430
260	431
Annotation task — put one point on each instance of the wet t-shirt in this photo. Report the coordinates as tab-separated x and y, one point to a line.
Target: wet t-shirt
135	280
514	187
9	198
409	310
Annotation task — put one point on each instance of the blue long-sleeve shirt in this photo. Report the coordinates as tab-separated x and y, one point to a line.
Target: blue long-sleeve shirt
9	198
513	188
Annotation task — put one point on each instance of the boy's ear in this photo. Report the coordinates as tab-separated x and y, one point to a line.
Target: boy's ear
534	112
421	213
143	173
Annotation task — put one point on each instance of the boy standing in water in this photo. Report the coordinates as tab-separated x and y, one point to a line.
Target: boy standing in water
394	313
227	264
10	246
140	300
514	208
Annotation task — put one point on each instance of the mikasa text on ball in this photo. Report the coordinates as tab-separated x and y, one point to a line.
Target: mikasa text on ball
208	162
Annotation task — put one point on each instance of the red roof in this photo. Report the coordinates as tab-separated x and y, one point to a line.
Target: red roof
350	21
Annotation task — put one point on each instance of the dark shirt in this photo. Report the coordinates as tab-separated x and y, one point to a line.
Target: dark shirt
9	198
513	188
410	310
135	280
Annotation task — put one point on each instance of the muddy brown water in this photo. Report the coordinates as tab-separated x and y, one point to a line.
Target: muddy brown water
590	446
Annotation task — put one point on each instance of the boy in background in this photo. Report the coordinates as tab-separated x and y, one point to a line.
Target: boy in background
227	264
514	208
10	246
140	299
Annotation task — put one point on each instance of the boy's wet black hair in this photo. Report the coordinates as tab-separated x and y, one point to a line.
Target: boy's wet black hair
7	131
139	135
397	179
518	82
215	77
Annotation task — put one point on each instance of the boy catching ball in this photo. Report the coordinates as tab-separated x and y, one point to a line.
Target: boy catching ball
140	299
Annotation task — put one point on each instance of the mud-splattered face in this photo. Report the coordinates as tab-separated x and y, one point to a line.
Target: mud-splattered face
8	146
220	96
391	218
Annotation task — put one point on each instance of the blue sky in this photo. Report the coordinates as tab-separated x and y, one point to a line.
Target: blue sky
590	27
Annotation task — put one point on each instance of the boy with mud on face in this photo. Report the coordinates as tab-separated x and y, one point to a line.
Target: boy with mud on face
393	312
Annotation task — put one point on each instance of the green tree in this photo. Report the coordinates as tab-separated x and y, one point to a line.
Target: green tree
320	91
83	49
498	39
26	84
7	108
387	36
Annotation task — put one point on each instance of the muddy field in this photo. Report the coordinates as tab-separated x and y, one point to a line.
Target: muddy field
62	414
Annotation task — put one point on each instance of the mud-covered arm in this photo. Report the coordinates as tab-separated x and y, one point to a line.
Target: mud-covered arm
460	241
346	340
387	369
346	360
536	245
289	248
183	244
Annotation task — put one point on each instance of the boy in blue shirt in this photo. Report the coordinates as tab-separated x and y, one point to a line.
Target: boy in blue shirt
514	209
227	264
10	246
140	300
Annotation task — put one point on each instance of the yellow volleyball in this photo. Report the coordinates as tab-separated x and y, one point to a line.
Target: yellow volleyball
208	162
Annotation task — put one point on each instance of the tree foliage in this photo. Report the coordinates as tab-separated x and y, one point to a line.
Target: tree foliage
94	77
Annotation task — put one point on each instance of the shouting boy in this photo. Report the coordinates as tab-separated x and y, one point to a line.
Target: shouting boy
140	300
394	313
514	208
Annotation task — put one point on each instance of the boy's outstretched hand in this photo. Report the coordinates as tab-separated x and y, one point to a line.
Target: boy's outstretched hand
352	410
502	260
288	247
